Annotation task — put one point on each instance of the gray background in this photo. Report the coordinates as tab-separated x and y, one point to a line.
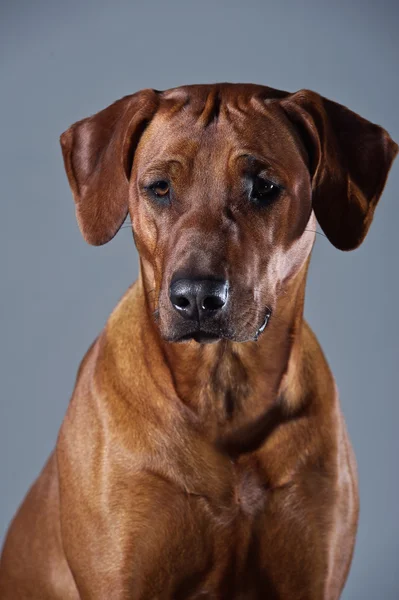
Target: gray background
61	61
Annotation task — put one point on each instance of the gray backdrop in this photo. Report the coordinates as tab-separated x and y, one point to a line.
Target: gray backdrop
61	61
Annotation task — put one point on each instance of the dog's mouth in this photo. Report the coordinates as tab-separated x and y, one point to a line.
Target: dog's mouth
210	335
200	336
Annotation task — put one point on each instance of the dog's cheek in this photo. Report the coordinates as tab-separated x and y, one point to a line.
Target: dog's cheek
296	255
145	232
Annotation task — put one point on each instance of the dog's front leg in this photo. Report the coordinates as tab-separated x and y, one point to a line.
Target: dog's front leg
142	539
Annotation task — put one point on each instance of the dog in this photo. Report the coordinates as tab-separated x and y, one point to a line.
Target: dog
204	453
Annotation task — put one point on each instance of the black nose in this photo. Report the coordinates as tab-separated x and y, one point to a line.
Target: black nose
196	298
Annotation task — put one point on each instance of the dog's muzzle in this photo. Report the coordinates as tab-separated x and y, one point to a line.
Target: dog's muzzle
202	304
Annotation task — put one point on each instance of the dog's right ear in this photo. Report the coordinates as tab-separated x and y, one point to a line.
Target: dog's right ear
98	156
349	158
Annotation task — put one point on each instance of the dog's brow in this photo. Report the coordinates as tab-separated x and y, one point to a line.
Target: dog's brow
256	160
164	166
251	157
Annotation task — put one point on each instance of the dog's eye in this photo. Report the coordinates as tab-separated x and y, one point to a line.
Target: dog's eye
264	191
160	189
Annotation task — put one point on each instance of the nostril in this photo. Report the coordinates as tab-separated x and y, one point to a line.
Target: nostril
181	301
192	298
213	302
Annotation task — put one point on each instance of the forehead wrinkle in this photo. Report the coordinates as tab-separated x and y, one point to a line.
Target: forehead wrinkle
165	142
266	140
199	110
190	142
211	107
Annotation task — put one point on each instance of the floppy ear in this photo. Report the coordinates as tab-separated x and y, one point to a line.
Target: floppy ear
98	155
349	162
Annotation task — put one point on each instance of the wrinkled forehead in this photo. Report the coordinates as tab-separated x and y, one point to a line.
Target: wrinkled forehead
212	124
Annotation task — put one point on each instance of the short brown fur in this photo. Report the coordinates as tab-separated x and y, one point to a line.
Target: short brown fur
193	470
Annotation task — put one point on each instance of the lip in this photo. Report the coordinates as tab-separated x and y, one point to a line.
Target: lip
200	336
265	323
212	334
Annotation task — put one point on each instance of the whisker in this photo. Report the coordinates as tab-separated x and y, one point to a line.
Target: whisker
318	232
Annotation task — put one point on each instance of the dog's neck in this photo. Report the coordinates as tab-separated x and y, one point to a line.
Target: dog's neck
228	384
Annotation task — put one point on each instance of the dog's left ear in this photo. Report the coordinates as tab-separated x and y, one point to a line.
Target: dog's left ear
98	155
349	161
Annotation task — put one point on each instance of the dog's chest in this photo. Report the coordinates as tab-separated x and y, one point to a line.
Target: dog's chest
233	535
250	489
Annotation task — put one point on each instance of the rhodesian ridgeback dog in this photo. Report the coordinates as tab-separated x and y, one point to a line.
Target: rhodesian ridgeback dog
220	467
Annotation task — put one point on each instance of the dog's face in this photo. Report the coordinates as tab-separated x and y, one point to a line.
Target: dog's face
221	194
220	213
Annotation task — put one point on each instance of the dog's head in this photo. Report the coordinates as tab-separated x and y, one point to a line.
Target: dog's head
222	183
